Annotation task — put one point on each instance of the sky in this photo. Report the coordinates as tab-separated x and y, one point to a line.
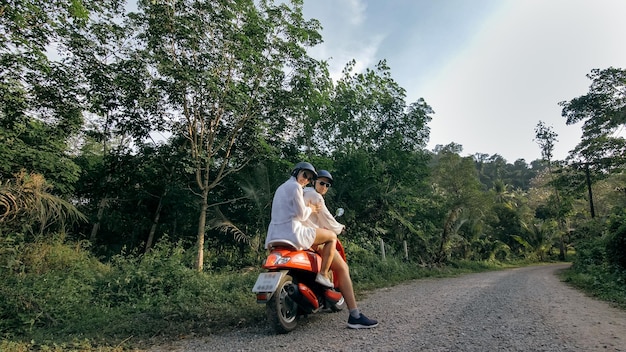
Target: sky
490	69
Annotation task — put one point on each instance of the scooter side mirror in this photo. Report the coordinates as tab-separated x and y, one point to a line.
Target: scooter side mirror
339	212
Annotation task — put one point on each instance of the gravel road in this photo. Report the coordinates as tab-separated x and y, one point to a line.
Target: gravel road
524	309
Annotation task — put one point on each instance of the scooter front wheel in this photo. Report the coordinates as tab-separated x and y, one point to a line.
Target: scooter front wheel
281	310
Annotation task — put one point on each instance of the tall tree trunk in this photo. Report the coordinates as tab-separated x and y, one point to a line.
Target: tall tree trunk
155	222
200	236
96	225
448	229
201	226
561	248
101	206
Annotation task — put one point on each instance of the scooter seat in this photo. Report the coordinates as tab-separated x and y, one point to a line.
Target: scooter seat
281	243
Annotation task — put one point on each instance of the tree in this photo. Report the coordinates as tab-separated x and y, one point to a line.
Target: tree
603	112
376	142
368	111
545	138
455	182
520	175
491	169
40	106
117	101
220	67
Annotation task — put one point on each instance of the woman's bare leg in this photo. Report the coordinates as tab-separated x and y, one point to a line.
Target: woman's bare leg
329	239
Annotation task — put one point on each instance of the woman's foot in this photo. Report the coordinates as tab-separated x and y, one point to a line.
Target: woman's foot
323	280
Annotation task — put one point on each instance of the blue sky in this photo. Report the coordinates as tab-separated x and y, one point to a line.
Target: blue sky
490	69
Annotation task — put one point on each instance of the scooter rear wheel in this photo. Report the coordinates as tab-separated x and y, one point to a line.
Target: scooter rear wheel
281	310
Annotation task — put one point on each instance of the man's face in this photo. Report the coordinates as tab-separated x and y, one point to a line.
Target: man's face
322	185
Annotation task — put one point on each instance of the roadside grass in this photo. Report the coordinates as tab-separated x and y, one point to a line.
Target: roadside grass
60	298
599	267
600	281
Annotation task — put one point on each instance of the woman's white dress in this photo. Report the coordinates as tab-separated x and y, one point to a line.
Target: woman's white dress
323	218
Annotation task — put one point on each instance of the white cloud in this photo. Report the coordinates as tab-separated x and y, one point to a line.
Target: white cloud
346	35
357	11
491	69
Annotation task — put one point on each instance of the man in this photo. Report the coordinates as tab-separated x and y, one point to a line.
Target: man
324	219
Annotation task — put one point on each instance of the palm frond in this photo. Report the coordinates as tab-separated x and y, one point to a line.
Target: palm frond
26	202
222	224
406	223
522	241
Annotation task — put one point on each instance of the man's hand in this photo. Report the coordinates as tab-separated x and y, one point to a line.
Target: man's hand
315	207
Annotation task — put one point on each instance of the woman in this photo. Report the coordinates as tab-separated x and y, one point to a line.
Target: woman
315	195
289	217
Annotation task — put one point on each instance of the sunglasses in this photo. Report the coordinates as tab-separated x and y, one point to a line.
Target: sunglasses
324	184
307	176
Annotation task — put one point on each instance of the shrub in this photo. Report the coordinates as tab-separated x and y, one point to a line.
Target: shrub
52	285
616	248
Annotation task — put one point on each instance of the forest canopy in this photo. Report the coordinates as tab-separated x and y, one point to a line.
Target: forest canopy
176	122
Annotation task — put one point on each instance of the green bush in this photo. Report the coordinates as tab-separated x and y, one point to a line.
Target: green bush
155	275
616	248
600	262
51	286
61	290
590	253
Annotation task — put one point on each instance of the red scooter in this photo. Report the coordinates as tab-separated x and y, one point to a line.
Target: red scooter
288	288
